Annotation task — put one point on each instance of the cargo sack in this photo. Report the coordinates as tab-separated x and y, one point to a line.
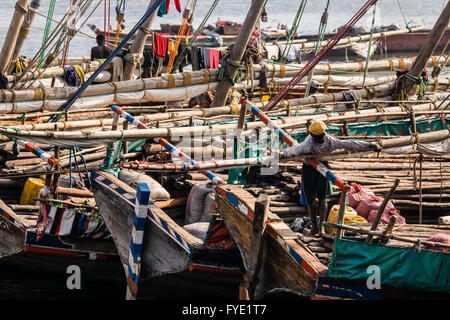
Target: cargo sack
208	207
198	229
157	192
196	202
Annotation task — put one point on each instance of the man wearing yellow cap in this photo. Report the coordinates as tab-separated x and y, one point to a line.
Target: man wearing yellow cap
315	185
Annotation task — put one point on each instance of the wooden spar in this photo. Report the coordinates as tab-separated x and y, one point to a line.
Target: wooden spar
323	52
342	204
381	210
13	32
33	8
254	262
388	230
197	77
381	234
223	111
420	188
56	71
238	50
90	138
272	70
138	45
427	50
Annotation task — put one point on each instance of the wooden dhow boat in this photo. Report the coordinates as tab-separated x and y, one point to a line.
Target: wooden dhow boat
167	249
288	262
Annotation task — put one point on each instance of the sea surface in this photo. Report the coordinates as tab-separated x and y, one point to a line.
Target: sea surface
280	12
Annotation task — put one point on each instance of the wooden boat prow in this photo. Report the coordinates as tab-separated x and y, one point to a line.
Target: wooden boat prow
12	231
285	263
120	224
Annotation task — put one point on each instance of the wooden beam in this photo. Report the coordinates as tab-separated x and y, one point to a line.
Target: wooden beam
427	50
381	209
238	51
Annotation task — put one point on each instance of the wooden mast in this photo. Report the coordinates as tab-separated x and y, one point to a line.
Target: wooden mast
138	45
427	50
13	32
25	30
238	50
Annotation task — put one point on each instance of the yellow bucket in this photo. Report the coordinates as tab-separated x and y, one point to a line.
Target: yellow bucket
31	191
350	217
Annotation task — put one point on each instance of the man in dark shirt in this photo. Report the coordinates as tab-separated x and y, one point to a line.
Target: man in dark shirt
101	51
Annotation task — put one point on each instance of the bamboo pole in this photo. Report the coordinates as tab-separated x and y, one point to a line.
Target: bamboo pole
12	34
427	50
238	50
33	8
381	234
381	209
138	45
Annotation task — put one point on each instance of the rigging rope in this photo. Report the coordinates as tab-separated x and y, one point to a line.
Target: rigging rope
370	45
183	32
51	10
59	28
311	64
293	30
321	34
57	50
404	19
120	20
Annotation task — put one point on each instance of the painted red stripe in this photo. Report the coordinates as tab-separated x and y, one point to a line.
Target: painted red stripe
56	252
221	191
133	287
272	232
305	265
58	226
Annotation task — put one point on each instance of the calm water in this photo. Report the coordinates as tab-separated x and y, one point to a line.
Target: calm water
279	12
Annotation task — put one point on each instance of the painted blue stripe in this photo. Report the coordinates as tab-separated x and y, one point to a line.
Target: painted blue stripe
143	193
47	240
128	117
132	275
38	152
234	201
81	224
164	224
330	176
135	249
149	212
295	255
139	223
178	237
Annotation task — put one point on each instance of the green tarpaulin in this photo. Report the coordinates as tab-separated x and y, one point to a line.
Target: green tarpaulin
399	267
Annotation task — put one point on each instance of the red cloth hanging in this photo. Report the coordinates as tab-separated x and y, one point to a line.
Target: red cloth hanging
214	58
177	5
159	45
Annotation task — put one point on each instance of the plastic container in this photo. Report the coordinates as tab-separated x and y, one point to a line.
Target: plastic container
31	191
350	217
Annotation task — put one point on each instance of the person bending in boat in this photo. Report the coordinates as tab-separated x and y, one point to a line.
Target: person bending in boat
101	51
315	185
